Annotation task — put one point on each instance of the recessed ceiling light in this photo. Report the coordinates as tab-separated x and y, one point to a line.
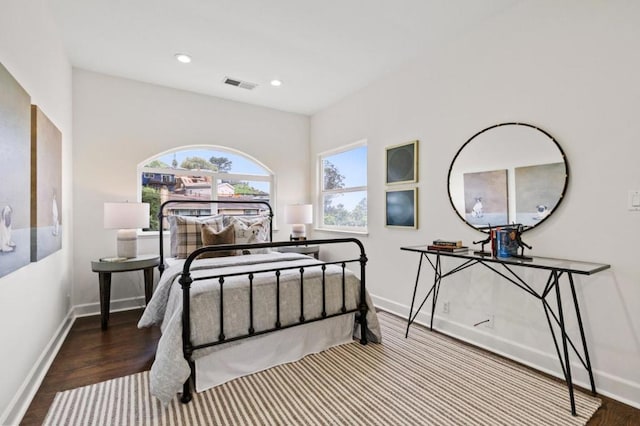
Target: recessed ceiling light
276	83
183	57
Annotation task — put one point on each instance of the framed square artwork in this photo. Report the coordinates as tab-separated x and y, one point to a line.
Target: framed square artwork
402	163
401	208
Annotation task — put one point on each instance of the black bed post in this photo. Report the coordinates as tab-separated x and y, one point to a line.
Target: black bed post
161	239
187	348
363	297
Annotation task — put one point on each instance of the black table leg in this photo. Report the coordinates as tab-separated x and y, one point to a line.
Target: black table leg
563	335
587	361
413	299
148	284
105	297
436	288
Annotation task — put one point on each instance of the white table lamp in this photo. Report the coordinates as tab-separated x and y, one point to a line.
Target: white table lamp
126	218
298	216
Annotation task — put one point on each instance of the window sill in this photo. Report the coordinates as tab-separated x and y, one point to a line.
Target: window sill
341	231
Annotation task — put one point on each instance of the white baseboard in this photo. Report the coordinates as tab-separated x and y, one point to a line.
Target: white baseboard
620	389
115	306
27	391
23	397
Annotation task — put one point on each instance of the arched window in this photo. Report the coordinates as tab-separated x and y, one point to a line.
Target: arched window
204	173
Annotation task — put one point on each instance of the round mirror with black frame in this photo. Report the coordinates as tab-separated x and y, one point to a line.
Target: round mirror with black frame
509	173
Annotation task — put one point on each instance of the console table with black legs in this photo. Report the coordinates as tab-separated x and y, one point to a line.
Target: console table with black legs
507	268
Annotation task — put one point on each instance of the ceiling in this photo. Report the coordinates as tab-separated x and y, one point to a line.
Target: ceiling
321	50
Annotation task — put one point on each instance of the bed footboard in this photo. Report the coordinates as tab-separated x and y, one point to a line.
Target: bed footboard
186	282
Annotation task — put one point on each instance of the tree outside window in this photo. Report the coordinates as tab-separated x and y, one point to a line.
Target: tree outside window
344	189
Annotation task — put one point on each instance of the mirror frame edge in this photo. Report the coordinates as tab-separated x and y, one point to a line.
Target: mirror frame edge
564	159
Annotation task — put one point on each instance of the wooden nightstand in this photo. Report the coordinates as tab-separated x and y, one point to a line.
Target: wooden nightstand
145	262
312	250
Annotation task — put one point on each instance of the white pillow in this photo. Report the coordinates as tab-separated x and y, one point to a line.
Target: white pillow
251	230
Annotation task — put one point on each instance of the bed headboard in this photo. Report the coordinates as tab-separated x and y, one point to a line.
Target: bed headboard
168	208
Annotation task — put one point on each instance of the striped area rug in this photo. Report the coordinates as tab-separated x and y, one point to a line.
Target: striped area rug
428	379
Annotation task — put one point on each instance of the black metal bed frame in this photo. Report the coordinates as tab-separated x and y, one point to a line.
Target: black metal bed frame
186	281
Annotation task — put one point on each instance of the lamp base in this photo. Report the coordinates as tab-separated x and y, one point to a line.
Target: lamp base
127	243
298	233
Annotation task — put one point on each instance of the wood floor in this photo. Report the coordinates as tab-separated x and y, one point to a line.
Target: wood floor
90	355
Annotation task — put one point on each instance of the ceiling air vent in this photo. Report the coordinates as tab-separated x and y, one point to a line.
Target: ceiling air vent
239	83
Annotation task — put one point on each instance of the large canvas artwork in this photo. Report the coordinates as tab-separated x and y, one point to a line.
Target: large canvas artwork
15	120
46	185
485	198
538	191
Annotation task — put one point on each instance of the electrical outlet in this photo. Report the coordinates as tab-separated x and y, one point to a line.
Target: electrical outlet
634	200
445	308
490	320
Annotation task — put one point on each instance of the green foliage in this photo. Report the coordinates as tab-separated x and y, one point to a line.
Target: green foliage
157	164
333	179
223	163
152	196
197	163
338	215
359	213
243	188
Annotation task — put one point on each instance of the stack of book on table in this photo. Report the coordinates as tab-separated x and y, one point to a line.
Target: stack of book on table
450	246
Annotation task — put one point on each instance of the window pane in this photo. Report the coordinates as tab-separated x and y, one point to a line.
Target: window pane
242	190
207	159
192	174
348	209
346	169
160	187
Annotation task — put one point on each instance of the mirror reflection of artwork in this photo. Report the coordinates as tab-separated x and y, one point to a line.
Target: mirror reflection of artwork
509	146
46	175
15	126
538	190
401	208
402	163
485	198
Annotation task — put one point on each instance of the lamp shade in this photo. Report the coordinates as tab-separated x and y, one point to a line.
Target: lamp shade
126	215
298	214
126	218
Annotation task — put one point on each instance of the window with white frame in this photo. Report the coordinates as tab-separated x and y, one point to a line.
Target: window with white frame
204	173
343	188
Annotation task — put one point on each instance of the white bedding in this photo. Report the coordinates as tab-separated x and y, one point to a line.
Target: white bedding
170	370
278	348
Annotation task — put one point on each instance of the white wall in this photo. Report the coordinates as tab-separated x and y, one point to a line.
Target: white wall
569	67
119	123
34	300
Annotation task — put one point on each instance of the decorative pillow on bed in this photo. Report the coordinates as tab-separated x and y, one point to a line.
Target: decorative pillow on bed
211	237
251	230
186	234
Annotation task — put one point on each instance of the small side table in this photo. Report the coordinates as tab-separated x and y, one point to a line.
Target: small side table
145	262
312	250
